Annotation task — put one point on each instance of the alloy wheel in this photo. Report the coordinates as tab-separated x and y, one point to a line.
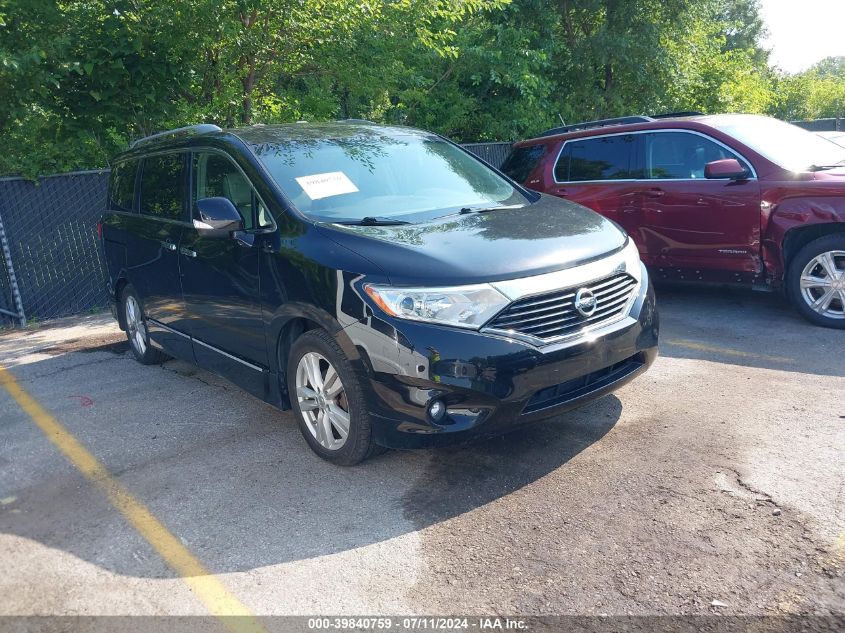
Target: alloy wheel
135	327
823	284
322	401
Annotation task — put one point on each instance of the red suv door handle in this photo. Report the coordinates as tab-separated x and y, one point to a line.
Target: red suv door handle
655	193
560	191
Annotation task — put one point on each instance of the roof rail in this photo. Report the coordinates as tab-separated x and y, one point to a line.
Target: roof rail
675	115
586	125
189	130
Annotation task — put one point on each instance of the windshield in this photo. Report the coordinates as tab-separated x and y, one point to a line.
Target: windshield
782	143
835	137
400	177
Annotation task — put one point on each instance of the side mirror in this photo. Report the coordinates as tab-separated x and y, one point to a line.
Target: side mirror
218	214
727	168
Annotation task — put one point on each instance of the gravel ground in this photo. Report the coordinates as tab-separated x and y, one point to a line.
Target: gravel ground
715	483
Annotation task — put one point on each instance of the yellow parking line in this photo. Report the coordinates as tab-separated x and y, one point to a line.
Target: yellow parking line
208	588
726	351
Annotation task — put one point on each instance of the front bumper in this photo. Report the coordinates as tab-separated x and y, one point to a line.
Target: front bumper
492	384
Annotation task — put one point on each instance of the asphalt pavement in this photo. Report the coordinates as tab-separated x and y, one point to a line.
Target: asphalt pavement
715	483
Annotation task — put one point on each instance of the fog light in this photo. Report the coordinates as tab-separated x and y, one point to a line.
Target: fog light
436	410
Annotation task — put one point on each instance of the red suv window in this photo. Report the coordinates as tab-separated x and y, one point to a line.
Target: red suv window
522	160
681	155
599	158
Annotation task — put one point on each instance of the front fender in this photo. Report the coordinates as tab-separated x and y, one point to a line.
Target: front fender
288	312
283	326
791	215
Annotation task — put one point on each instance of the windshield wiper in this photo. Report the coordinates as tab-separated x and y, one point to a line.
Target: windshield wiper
372	221
823	167
467	210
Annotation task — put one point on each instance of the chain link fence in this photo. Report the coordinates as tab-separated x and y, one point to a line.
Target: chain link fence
52	264
493	153
9	301
822	125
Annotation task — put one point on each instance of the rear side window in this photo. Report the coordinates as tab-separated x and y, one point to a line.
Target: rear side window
681	155
122	186
602	158
163	186
521	161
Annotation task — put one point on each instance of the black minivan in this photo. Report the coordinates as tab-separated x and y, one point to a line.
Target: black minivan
388	286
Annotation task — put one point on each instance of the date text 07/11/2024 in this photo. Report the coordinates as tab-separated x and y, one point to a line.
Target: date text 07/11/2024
418	623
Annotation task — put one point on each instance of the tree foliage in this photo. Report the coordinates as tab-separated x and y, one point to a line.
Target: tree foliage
817	93
80	79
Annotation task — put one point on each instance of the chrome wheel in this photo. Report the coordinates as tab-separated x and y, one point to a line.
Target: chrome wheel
322	401
823	284
136	331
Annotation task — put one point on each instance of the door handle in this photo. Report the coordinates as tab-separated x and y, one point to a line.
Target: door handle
169	246
187	252
561	191
655	193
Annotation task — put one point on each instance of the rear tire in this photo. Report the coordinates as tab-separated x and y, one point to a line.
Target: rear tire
136	328
328	400
815	281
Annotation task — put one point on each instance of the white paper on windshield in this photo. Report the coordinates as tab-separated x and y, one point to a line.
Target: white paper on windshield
325	185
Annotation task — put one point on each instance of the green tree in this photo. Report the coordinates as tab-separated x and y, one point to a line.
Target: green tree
90	75
499	83
816	93
82	78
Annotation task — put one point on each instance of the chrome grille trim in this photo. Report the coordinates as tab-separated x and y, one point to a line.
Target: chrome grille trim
552	317
516	318
609	311
543	301
612	288
604	310
552	295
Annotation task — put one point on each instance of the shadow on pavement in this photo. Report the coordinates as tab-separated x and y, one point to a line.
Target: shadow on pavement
742	327
230	475
459	479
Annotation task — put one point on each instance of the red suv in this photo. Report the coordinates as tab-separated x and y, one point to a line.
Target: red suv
728	198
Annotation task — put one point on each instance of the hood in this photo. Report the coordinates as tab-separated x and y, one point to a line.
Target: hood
550	234
836	175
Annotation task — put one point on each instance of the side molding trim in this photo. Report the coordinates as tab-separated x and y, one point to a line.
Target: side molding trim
207	346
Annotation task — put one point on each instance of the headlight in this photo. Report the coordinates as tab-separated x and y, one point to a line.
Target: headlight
460	306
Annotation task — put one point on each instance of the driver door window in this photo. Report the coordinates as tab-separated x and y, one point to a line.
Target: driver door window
682	156
216	175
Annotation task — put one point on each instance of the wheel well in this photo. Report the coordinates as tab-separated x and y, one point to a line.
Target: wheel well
291	331
798	238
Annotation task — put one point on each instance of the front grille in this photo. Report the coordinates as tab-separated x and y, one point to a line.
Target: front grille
570	390
553	315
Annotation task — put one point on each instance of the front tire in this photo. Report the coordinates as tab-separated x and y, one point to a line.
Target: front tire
328	400
136	329
816	281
